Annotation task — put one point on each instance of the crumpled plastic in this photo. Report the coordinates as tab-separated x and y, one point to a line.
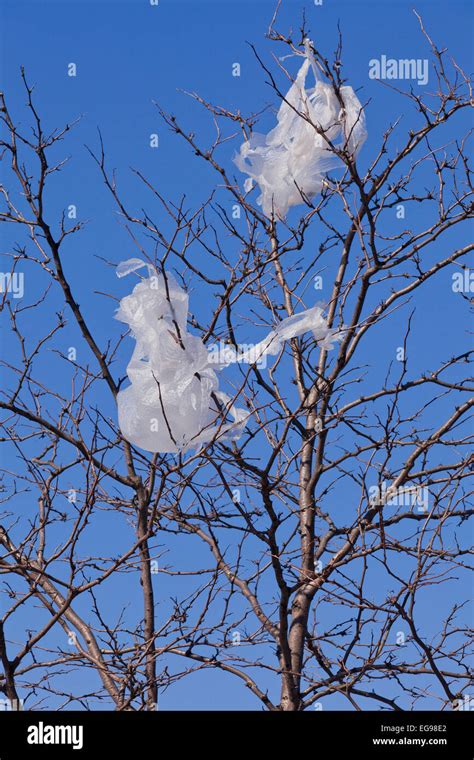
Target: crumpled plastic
173	402
290	163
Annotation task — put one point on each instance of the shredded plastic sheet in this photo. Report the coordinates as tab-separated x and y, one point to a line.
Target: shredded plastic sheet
290	162
173	403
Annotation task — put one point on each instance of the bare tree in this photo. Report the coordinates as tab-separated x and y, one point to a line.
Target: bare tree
299	559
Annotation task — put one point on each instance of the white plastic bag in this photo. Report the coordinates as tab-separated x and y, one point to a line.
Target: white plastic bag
173	402
290	162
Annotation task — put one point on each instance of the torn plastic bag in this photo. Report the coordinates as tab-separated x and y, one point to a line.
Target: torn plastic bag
173	402
310	320
290	162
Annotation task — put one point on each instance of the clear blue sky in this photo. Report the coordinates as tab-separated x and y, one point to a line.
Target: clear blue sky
129	54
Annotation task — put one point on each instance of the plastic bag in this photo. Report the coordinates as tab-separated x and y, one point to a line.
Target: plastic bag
173	402
290	162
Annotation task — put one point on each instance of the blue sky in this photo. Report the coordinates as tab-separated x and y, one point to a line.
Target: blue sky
129	54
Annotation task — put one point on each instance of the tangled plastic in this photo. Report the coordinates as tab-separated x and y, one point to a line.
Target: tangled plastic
173	403
290	162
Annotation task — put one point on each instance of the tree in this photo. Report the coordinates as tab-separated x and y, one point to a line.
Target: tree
299	559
